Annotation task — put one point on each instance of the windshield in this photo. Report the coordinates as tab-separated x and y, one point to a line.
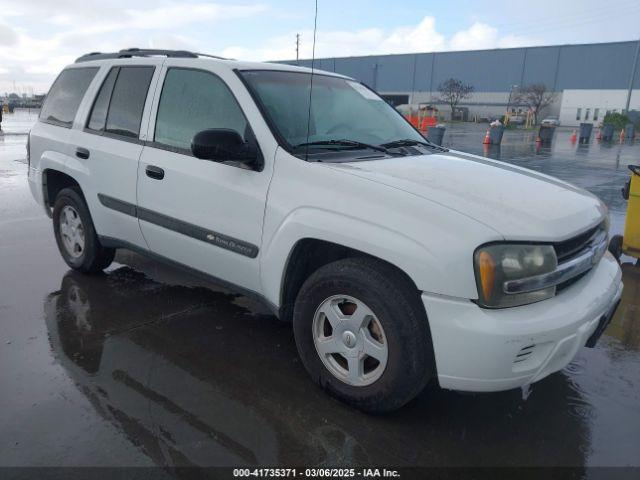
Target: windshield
340	110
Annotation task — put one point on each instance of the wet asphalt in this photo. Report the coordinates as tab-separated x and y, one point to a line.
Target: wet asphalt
146	365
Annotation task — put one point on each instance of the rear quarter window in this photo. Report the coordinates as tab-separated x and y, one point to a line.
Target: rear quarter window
65	96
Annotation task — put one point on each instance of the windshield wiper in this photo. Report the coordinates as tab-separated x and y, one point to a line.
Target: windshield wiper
408	142
345	143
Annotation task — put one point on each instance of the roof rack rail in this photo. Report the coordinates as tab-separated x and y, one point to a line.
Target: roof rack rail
213	56
143	52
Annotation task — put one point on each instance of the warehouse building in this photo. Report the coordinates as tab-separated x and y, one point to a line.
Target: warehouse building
588	79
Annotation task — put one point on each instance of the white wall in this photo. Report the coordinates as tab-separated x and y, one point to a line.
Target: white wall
603	100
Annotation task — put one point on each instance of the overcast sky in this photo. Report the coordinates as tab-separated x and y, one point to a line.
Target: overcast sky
39	37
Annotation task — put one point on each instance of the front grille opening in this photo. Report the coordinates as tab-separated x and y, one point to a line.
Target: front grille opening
564	285
569	248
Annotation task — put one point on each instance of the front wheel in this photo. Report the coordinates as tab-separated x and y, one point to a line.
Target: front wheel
76	236
362	334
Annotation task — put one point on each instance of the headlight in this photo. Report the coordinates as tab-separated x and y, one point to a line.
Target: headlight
498	263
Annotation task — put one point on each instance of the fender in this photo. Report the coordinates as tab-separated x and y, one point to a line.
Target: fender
48	160
382	242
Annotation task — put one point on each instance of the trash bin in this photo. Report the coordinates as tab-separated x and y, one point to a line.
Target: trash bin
495	134
436	134
546	134
607	132
629	243
629	131
585	132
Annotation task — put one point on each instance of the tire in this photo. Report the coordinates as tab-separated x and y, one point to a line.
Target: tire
615	247
92	257
398	312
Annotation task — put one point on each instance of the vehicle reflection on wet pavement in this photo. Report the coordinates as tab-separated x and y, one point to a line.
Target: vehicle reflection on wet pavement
145	365
193	377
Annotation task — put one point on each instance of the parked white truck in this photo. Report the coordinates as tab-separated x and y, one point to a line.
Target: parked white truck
398	261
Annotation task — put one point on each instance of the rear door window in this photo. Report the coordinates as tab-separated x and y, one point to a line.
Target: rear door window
127	101
65	95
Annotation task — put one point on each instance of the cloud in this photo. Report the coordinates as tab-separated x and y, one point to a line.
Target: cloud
407	39
34	51
8	36
476	37
328	43
172	41
482	36
180	15
421	37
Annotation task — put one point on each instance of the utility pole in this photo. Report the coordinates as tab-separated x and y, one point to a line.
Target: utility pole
297	47
633	76
507	115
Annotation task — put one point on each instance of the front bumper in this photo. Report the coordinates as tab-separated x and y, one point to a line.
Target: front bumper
486	350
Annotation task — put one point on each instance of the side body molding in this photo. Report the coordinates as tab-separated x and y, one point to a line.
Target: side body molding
194	231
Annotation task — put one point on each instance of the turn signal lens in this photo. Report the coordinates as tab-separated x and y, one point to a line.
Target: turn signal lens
487	273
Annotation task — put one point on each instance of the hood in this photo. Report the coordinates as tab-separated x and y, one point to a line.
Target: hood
517	203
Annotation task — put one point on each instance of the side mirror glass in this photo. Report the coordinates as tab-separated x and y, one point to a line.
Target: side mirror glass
221	145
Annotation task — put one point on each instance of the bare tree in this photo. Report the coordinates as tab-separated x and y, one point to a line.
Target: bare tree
452	91
536	97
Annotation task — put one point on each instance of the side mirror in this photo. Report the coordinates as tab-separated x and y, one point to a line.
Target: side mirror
221	145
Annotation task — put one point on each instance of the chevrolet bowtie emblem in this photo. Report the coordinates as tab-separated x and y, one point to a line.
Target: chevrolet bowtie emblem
211	236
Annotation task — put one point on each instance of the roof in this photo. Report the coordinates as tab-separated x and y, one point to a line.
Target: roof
130	53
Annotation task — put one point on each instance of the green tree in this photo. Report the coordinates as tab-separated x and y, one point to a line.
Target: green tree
618	120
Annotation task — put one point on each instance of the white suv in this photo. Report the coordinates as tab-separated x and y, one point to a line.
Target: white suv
398	261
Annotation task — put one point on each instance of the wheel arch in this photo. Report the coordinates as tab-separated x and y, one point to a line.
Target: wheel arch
308	255
53	181
310	237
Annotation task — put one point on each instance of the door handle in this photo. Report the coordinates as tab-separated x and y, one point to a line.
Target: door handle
154	172
82	153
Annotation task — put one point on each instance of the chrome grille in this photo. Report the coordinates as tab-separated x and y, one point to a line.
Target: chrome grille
569	248
573	247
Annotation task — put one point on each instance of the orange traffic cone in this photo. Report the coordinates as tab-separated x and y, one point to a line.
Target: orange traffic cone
486	140
622	135
574	137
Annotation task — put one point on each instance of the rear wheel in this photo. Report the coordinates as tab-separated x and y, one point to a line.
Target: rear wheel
363	335
76	236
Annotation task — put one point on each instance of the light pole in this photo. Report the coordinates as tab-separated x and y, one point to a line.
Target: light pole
632	77
506	116
375	76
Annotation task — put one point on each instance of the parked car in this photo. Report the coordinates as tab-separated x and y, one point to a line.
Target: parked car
398	261
551	122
